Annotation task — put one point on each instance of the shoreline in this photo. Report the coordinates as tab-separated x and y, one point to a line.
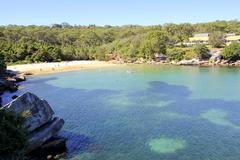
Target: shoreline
55	67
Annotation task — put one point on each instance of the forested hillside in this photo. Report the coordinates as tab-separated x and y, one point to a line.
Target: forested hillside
60	42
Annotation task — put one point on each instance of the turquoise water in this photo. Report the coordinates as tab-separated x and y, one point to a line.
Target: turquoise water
146	112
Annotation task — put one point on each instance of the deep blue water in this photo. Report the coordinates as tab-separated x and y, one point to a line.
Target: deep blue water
146	112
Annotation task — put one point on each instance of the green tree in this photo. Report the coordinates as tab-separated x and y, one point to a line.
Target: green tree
154	42
2	63
232	52
216	39
42	55
190	54
102	52
12	136
89	39
127	33
130	42
202	51
176	54
108	37
69	53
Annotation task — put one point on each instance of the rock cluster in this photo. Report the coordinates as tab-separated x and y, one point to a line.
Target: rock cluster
40	124
193	61
216	57
8	82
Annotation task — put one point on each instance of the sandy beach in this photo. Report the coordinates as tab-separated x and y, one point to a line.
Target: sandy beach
44	68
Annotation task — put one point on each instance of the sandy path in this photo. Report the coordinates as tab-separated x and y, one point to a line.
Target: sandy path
43	68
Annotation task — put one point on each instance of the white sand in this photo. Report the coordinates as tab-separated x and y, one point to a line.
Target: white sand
42	68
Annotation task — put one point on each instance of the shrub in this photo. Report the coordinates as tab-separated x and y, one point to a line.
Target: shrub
190	54
216	39
12	136
176	54
154	42
2	64
202	51
102	53
232	52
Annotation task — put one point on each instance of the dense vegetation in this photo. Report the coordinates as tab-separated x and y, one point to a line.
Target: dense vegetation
12	136
232	52
2	64
65	42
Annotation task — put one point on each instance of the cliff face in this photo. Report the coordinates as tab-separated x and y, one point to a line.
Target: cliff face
40	124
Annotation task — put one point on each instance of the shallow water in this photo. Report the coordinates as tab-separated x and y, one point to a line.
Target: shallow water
146	112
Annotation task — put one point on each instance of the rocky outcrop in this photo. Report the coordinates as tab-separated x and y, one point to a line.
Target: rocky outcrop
44	133
36	112
54	148
19	77
160	57
8	85
193	61
8	82
216	56
39	122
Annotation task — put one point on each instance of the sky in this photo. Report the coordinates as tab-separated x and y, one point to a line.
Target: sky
116	12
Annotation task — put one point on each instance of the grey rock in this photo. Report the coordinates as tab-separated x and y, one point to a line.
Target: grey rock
55	146
39	123
216	56
41	135
20	78
3	85
193	61
160	57
8	85
36	111
14	96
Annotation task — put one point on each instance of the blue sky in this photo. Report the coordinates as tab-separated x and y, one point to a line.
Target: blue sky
112	12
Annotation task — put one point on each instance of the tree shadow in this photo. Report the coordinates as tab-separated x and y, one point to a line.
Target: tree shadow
78	144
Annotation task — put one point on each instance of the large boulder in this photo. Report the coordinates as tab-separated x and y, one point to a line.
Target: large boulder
54	147
41	135
36	111
39	122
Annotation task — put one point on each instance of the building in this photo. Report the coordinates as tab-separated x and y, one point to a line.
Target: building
229	34
202	38
232	38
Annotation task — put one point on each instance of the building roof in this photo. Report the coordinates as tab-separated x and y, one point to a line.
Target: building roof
201	35
230	34
198	39
233	38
